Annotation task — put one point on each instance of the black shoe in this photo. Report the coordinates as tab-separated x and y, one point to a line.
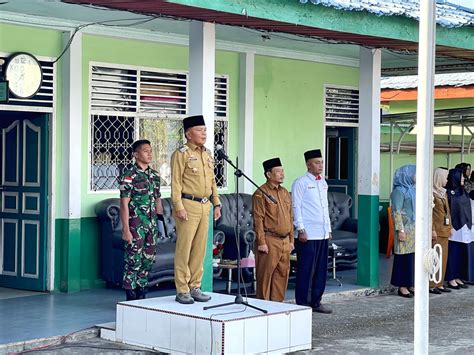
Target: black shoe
131	295
456	287
406	295
444	289
322	309
412	291
141	293
435	291
463	286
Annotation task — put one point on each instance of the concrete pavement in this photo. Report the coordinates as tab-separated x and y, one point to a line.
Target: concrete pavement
378	324
383	324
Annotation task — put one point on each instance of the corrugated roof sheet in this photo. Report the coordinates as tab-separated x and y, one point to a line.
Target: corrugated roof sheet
411	81
447	15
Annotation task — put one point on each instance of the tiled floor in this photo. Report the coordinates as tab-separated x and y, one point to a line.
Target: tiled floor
45	315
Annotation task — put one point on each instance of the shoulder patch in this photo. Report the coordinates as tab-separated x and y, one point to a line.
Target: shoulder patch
183	148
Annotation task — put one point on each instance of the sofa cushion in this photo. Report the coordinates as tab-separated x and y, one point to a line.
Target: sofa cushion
344	239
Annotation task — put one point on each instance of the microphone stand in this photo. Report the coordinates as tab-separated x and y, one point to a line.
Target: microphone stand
238	173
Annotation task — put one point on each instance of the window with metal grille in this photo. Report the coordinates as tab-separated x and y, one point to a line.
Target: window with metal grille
341	106
130	103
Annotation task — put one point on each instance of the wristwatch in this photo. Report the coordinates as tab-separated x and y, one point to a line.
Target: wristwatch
301	231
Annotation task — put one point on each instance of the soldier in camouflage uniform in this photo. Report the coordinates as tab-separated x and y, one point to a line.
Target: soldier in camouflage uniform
140	205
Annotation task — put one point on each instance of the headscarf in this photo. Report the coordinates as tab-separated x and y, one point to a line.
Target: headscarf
404	181
459	202
440	178
463	167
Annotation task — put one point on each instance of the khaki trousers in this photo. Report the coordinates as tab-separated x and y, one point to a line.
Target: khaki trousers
191	243
443	241
273	269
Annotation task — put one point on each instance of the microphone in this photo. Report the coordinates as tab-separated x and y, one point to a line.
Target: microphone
220	152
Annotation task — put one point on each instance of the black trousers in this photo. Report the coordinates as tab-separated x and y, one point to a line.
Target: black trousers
311	273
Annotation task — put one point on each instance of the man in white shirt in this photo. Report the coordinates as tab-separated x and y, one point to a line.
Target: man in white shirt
309	195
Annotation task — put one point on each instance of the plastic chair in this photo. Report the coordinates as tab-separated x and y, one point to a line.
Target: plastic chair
391	231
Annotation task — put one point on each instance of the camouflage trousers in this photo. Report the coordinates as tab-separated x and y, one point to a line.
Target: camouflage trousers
139	257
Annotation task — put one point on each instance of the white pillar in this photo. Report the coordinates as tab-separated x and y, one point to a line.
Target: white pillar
424	171
246	96
368	166
202	54
71	75
369	121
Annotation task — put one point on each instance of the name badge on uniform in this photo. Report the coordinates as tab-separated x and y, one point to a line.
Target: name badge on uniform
192	157
446	221
311	187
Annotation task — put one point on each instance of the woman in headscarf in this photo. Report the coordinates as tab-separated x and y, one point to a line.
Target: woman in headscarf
461	219
403	200
441	223
466	172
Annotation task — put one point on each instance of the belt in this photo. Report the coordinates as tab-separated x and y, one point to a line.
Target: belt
273	234
194	198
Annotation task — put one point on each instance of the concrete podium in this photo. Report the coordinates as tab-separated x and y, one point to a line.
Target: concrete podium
165	325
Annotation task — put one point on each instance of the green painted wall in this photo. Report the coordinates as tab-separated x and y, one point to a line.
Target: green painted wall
162	56
368	241
68	255
289	110
47	43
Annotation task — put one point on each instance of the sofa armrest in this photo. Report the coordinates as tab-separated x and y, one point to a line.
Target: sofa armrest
247	236
219	237
350	225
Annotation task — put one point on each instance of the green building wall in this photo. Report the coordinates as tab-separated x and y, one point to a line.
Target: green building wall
289	110
289	119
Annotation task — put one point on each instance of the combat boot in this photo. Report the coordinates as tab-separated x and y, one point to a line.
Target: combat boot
141	293
131	295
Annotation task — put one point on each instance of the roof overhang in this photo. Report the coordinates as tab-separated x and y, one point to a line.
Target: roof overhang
441	92
359	28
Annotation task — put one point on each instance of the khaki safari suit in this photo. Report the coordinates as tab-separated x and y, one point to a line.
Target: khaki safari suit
274	227
192	173
443	231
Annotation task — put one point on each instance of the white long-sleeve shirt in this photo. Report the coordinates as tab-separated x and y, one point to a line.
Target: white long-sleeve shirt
310	206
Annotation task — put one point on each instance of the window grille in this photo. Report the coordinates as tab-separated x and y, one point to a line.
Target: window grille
341	106
129	103
112	136
165	135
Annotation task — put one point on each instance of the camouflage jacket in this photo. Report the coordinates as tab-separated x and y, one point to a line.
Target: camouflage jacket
143	189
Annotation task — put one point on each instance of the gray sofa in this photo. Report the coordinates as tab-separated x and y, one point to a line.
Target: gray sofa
344	228
108	213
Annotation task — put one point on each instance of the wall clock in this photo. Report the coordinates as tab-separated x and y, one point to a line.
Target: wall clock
24	75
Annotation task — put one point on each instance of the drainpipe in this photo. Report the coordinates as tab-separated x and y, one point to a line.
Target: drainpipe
424	171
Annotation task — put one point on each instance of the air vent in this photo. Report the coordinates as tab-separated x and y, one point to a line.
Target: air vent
341	106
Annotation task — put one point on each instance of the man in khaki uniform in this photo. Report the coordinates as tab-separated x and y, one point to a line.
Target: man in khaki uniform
273	223
193	189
